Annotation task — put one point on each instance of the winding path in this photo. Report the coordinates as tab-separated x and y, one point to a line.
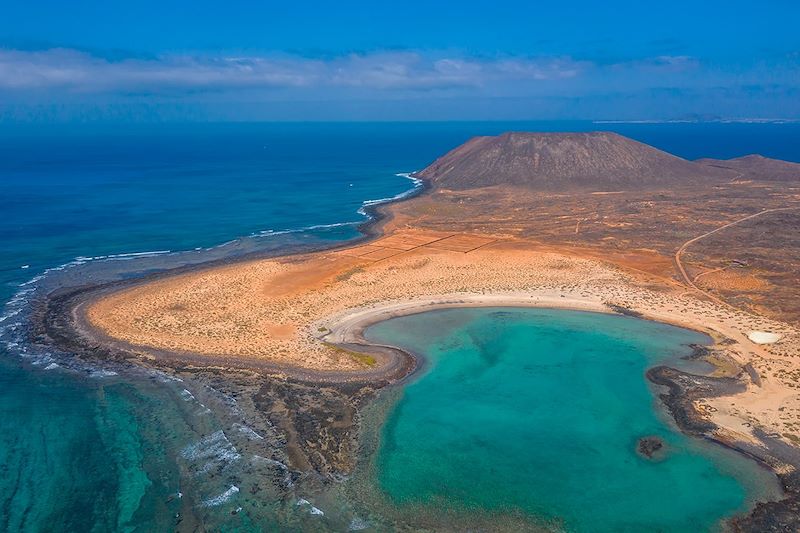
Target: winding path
688	243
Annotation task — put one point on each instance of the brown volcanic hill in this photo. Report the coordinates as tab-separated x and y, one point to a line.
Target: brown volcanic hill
758	167
596	160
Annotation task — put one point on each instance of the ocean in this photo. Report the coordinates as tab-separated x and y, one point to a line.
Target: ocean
82	449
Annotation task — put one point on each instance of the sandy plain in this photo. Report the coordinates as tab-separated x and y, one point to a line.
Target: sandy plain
307	312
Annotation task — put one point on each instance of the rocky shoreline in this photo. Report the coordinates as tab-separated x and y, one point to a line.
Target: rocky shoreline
682	389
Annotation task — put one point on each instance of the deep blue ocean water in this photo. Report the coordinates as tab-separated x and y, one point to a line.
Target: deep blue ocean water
81	450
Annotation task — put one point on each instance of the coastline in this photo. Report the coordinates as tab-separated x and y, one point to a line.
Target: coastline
56	318
64	323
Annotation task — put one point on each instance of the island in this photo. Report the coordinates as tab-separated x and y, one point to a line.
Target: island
583	221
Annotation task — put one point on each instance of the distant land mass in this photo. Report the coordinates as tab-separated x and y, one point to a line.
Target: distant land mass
564	161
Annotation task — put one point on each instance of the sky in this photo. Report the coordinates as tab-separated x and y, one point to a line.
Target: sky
353	60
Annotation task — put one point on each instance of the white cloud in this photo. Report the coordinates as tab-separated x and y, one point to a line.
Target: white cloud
662	63
554	68
79	72
69	69
409	82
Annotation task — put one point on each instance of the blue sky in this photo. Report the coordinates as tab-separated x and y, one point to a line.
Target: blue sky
247	60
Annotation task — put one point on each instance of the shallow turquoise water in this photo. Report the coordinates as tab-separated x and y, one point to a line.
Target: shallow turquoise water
78	458
539	412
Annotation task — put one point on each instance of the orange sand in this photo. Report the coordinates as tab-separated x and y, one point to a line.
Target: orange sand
281	310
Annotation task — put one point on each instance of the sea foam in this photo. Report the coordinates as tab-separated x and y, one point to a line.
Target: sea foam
222	498
302	502
213	451
405	194
247	431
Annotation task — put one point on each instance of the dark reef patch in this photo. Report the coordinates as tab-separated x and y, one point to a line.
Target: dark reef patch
623	310
652	448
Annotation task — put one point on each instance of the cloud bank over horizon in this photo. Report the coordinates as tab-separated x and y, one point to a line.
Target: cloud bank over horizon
360	60
81	72
416	61
265	84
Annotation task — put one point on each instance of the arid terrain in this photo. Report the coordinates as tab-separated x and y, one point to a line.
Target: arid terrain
639	223
710	245
605	248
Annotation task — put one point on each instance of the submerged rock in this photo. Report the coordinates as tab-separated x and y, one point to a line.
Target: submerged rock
652	448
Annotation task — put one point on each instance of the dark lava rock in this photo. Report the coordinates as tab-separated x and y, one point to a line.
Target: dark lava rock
651	448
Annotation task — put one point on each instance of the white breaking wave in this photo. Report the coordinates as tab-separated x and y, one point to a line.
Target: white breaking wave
130	255
186	395
102	374
82	260
273	232
222	498
405	194
163	377
410	176
302	502
248	432
361	211
41	359
28	289
9	314
213	450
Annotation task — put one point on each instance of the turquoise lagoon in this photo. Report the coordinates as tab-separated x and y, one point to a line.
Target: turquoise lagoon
537	413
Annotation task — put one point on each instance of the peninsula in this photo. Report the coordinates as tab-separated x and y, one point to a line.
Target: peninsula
589	221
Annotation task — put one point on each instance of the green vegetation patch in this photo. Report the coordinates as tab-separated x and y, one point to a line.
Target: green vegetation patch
363	358
347	274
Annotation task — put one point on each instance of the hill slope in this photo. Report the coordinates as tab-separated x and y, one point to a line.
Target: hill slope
757	167
596	160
